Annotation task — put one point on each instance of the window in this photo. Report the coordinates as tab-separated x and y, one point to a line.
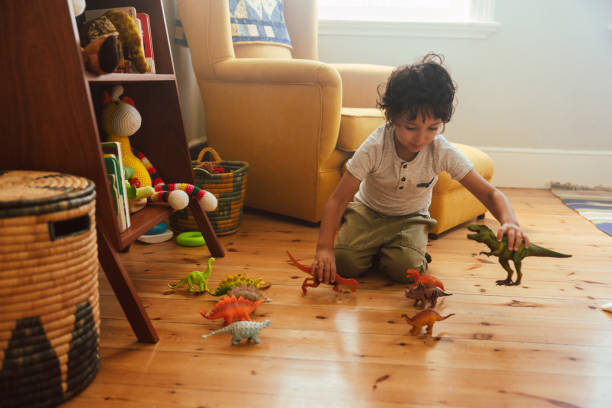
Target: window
438	18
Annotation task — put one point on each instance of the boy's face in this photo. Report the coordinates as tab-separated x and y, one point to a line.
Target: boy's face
413	135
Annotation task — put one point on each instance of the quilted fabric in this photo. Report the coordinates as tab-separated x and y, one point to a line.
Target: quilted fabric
258	21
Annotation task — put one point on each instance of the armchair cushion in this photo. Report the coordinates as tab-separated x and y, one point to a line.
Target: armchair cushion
483	164
356	125
259	21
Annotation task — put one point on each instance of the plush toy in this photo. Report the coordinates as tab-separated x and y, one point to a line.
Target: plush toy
120	120
101	54
129	37
125	44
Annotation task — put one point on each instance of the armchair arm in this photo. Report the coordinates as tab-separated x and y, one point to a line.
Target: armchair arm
360	83
281	116
297	103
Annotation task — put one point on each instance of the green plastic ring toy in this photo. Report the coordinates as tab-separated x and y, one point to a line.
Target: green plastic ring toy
190	239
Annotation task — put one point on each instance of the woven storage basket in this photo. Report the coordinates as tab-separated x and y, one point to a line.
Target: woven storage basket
49	312
228	186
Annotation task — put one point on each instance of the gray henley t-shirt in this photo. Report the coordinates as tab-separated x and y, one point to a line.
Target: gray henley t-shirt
393	186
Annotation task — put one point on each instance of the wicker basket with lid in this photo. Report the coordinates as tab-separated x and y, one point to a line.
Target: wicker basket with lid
49	313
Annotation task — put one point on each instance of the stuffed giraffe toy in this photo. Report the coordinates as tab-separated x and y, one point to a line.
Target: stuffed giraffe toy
120	120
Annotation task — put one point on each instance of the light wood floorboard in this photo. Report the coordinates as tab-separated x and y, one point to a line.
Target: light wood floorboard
544	343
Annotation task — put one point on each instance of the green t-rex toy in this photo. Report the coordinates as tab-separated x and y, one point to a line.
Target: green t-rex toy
500	249
196	278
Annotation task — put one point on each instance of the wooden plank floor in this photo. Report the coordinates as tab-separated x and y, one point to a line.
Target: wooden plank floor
544	343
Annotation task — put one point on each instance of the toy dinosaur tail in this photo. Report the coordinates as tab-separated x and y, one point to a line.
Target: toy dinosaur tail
535	250
408	318
178	285
299	265
226	329
349	283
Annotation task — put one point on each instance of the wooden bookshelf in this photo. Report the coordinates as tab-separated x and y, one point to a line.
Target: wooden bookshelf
49	121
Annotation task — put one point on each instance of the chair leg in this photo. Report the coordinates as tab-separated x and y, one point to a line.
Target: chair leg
125	292
207	230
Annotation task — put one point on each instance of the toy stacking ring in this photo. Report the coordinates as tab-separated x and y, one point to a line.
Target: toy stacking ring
190	239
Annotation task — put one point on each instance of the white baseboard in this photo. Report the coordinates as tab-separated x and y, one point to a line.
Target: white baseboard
538	168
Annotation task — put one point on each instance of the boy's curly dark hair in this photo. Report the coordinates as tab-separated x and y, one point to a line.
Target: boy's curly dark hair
425	87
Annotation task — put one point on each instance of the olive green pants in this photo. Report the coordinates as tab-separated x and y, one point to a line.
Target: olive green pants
367	240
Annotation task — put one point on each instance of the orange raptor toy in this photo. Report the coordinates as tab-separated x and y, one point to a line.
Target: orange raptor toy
425	318
230	308
426	280
313	281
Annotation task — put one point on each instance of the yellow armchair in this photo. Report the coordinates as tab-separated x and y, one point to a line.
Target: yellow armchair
296	120
279	108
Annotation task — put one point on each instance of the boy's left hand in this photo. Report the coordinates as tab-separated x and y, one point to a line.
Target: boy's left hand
515	235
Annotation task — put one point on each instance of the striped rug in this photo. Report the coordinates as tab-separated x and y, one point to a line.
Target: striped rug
594	205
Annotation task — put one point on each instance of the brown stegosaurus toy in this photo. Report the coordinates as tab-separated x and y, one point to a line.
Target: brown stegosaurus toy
425	318
248	292
230	308
425	293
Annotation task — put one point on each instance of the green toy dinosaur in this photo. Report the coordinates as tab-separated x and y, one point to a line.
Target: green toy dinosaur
196	278
500	249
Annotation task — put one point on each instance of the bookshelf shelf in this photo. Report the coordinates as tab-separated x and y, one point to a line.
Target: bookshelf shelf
50	112
120	78
142	221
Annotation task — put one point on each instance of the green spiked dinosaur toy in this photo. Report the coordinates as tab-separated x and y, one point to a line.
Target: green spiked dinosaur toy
500	249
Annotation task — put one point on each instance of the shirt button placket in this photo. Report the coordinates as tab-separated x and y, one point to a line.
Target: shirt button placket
402	175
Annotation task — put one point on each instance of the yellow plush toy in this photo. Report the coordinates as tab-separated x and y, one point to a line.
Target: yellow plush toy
129	37
120	120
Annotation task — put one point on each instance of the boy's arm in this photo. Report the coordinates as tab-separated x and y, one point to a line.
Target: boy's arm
500	207
324	265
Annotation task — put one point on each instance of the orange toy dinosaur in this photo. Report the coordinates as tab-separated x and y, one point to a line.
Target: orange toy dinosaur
313	281
425	318
426	280
230	308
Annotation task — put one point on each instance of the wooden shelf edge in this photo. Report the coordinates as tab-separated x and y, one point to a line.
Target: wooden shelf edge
143	221
130	77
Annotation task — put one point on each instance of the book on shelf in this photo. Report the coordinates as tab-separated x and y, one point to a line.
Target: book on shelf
147	41
112	172
114	168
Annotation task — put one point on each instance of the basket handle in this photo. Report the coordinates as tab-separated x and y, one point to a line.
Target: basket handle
212	151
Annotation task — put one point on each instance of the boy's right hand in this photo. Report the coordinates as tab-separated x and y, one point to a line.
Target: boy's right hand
324	266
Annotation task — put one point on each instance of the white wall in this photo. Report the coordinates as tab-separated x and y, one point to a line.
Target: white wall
536	95
189	91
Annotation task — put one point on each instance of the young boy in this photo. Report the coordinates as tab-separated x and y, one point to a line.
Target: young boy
394	172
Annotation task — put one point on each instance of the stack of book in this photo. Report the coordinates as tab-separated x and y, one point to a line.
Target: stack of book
144	26
116	179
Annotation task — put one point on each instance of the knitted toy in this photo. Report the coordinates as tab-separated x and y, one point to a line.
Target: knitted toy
78	6
120	120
